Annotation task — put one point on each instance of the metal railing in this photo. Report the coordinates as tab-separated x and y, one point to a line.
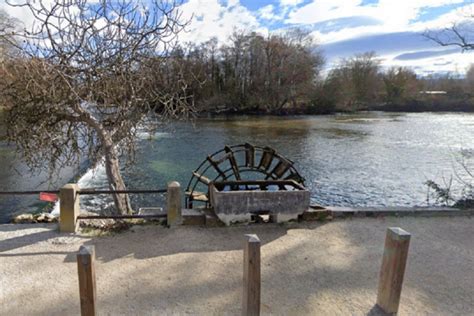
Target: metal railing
86	191
69	203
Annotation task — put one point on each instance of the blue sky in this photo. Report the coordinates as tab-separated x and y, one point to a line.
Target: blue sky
342	28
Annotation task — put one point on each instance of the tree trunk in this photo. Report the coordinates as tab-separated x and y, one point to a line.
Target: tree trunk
112	167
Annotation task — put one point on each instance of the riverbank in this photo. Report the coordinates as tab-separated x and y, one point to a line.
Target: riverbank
414	106
376	109
308	268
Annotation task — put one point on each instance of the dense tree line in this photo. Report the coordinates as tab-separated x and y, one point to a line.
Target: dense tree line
283	73
277	74
360	83
251	73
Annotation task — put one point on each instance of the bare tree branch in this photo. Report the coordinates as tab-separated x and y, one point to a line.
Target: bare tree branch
82	82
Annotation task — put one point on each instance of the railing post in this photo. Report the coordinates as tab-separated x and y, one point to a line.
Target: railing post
68	208
86	273
392	271
251	292
173	203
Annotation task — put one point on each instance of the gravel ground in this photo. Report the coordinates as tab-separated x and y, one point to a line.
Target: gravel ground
311	268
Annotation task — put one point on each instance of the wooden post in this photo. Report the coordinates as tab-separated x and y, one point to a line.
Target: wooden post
173	202
68	208
86	272
251	293
392	271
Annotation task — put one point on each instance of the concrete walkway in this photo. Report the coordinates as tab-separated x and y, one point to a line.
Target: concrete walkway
311	268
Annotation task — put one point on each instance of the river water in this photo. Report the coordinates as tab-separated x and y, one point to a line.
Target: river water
364	159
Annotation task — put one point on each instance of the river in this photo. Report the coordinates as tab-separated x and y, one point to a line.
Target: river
363	159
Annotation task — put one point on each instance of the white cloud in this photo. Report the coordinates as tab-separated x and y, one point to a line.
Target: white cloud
231	3
324	10
389	11
267	13
212	18
290	2
17	9
21	13
345	34
332	21
394	16
456	63
446	20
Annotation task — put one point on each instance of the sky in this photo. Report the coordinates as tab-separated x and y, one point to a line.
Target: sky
341	28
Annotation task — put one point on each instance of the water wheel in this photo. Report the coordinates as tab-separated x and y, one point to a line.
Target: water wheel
235	163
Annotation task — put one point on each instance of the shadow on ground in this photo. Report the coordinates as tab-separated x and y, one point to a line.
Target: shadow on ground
26	235
307	268
144	242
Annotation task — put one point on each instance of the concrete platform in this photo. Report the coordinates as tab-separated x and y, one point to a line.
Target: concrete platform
336	211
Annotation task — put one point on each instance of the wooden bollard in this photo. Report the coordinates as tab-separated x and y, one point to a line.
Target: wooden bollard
251	292
68	208
392	271
173	203
86	272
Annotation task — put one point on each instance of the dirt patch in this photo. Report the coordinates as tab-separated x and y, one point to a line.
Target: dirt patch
309	268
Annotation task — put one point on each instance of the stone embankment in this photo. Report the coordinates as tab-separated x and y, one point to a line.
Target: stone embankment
34	218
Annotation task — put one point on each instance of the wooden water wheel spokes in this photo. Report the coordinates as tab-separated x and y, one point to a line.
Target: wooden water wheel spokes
238	162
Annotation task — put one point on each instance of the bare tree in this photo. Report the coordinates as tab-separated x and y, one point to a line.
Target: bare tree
457	34
268	73
8	26
469	82
356	81
82	83
292	64
401	85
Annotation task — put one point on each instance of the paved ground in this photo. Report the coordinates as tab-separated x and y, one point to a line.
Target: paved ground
311	268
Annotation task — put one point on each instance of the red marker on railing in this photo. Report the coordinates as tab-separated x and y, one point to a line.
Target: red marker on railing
48	197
